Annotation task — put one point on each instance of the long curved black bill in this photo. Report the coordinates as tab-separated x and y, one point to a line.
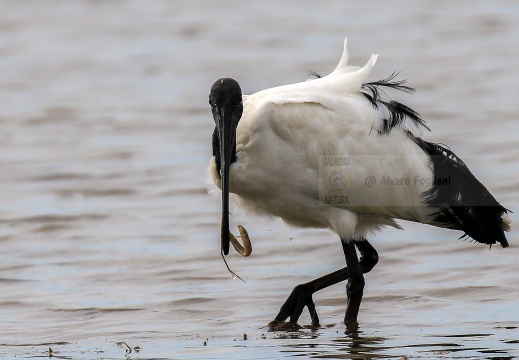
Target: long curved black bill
227	146
226	103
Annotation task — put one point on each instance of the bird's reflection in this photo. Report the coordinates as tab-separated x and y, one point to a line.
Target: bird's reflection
347	345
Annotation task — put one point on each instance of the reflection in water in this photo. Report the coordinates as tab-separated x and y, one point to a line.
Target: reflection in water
347	347
323	344
360	347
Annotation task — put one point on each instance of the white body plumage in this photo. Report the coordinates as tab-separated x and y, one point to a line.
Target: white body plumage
285	132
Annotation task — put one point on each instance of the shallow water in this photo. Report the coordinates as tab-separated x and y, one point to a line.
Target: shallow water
107	231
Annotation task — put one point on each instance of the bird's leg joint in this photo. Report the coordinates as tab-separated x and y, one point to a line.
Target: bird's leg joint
355	286
368	256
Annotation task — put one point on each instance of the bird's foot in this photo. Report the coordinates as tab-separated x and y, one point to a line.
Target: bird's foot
352	327
293	307
275	325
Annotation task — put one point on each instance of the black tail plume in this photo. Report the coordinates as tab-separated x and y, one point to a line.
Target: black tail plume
462	201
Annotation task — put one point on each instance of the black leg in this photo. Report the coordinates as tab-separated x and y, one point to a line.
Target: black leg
355	287
301	296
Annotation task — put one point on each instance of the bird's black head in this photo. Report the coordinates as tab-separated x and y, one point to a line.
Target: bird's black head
225	99
225	92
226	103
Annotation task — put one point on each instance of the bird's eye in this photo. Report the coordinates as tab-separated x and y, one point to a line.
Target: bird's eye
211	103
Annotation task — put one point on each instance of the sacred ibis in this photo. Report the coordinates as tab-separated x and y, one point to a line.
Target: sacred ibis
336	152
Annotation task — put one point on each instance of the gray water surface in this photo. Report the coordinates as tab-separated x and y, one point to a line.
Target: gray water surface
109	236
